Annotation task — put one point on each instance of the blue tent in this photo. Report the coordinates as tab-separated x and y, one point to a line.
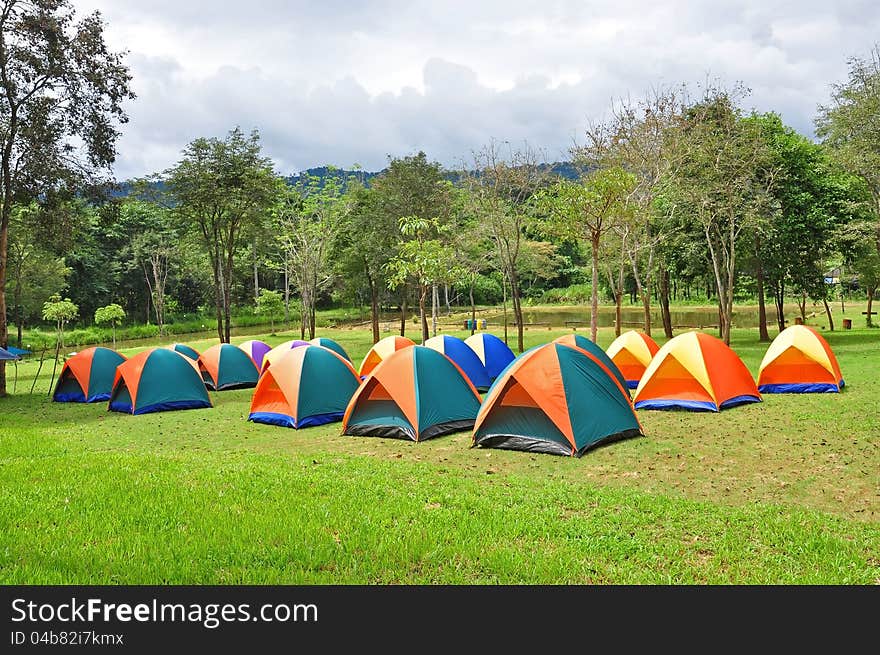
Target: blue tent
6	356
466	359
18	351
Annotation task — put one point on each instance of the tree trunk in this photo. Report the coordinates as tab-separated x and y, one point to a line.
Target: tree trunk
256	274
618	300
594	292
218	298
473	309
435	308
504	304
868	320
802	305
446	298
763	335
828	314
374	309
664	302
779	301
517	309
403	312
286	293
423	316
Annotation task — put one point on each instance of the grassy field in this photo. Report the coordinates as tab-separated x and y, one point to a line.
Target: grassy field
785	491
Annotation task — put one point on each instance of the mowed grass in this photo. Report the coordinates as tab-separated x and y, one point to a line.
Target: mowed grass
785	491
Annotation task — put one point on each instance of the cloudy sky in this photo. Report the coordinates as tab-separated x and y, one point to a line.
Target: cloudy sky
351	82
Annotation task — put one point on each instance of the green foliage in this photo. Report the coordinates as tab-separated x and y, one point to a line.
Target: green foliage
60	311
112	314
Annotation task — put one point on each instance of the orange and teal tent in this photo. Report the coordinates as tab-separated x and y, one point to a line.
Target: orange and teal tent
631	352
225	366
555	399
87	377
308	386
492	351
158	380
332	345
466	359
799	361
280	351
183	349
256	349
695	371
415	393
381	350
578	341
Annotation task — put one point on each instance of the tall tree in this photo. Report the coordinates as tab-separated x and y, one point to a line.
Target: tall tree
61	95
586	211
501	188
219	187
723	181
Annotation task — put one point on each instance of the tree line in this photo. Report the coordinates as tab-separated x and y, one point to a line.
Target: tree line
679	187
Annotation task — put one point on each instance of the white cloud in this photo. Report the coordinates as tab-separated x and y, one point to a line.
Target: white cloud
352	82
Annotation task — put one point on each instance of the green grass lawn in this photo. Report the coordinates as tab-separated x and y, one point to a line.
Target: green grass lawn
785	491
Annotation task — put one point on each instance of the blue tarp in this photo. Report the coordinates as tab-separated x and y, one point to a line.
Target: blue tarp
6	356
18	351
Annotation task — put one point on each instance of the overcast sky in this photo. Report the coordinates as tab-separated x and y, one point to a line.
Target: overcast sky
352	82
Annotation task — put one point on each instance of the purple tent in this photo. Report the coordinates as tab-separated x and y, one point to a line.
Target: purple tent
256	349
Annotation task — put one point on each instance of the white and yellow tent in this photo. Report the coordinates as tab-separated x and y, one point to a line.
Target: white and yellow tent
631	352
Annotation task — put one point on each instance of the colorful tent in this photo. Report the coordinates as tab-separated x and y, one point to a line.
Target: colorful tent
332	345
555	399
158	380
256	349
87	377
799	361
466	359
695	371
492	351
382	349
632	352
415	393
183	349
280	351
308	386
578	341
225	366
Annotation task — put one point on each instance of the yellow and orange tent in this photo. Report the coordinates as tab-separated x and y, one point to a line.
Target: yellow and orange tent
799	361
381	350
695	371
632	352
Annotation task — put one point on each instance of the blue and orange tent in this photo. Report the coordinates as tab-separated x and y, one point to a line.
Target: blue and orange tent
307	386
492	351
225	366
695	371
183	349
466	359
158	380
415	393
332	345
799	361
87	377
578	341
555	399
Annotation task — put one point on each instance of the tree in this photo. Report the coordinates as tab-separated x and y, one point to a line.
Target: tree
270	304
112	314
641	137
218	188
722	183
586	211
60	312
424	258
500	190
61	93
848	125
309	218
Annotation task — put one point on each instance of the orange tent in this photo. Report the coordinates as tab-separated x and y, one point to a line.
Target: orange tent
632	352
799	361
695	371
382	349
